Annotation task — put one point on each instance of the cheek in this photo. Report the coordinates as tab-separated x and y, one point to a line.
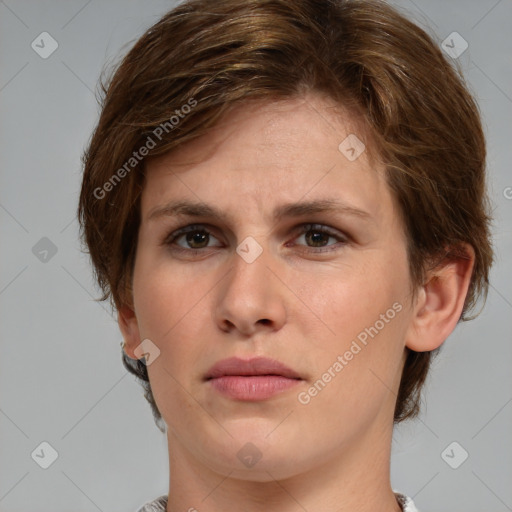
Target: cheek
347	300
166	307
357	371
356	351
171	311
163	295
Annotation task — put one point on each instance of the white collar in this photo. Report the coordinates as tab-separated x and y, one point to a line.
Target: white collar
159	505
405	502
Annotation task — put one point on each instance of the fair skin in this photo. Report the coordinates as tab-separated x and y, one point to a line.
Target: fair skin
293	303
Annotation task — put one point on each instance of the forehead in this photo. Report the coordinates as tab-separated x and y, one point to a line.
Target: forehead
265	153
277	124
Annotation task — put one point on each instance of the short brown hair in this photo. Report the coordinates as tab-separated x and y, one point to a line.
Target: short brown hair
214	54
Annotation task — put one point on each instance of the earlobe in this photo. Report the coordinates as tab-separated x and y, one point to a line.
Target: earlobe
440	302
129	327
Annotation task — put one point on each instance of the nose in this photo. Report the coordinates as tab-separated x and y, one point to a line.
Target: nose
250	298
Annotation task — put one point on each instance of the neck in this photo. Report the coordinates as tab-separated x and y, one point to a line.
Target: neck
353	479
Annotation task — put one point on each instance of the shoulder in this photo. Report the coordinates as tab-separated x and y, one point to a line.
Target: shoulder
158	505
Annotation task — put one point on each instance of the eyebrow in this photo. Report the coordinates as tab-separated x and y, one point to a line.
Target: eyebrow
299	209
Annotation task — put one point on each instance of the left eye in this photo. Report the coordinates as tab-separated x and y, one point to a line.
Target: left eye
319	235
197	237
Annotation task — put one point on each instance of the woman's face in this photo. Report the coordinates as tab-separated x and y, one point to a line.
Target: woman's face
305	265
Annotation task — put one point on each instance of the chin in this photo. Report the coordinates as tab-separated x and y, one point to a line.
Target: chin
254	455
269	468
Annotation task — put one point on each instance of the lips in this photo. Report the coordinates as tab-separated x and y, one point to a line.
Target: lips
251	380
250	367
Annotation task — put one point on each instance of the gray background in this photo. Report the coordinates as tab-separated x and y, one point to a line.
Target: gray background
61	377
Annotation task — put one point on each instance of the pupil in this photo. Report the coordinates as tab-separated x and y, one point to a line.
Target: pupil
196	237
316	237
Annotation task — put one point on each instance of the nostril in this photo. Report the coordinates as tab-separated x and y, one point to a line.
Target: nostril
229	325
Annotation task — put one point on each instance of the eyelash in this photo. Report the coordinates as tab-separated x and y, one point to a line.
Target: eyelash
303	229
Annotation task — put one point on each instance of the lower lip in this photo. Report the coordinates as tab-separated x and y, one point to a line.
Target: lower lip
252	388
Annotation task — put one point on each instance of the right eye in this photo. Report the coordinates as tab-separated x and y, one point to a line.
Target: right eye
194	237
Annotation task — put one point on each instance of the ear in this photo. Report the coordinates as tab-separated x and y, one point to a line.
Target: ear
440	301
129	327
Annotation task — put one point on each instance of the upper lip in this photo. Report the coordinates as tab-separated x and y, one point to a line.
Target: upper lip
250	367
